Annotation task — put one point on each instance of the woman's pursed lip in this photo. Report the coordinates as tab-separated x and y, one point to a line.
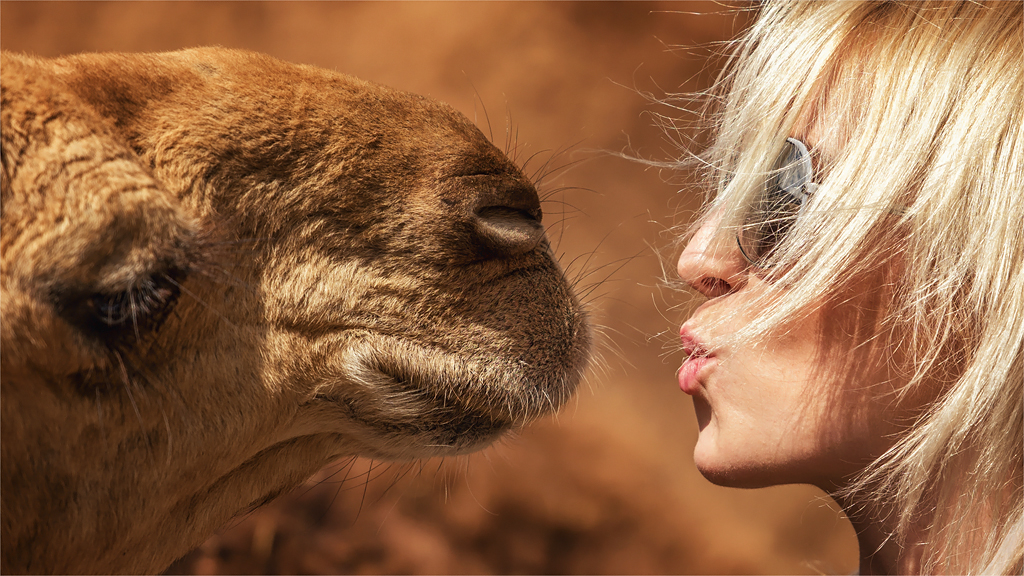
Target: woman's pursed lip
698	357
691	344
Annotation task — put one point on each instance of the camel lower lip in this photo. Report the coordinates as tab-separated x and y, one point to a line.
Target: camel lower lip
689	373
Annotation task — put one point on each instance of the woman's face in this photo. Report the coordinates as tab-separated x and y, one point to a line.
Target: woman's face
812	403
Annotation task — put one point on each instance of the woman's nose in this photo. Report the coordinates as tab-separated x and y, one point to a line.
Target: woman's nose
712	264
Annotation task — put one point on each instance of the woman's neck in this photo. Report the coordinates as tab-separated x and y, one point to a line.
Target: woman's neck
880	551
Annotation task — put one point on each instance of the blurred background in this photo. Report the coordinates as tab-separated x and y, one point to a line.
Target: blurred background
608	485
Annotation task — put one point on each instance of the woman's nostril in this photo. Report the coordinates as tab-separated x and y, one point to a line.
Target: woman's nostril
713	284
713	287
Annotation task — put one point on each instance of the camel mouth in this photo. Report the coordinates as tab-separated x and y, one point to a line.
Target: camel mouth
425	401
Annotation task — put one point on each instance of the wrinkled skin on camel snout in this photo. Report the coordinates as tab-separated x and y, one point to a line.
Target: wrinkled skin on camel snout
221	272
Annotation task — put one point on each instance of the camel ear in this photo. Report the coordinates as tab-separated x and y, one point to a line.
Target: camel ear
93	247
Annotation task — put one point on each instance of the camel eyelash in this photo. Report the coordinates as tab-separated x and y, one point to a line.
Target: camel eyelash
121	316
134	305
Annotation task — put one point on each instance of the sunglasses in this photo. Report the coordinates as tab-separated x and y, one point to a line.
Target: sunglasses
775	211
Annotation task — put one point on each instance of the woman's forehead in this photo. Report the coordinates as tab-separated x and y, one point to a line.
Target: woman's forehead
828	119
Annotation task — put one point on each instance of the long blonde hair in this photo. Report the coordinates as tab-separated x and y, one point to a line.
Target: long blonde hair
920	109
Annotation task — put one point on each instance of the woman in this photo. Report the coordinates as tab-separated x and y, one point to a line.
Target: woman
863	264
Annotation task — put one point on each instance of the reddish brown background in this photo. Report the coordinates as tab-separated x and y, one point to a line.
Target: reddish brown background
607	486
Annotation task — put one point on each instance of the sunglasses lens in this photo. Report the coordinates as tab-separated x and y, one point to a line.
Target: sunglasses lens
767	225
772	216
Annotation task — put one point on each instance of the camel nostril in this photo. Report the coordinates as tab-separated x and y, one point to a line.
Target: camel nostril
509	230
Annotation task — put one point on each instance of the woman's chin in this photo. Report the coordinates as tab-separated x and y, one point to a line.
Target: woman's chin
733	470
712	462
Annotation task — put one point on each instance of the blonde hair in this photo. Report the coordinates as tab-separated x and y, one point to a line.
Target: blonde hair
919	109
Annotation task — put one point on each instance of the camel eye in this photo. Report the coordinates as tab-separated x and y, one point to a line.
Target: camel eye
132	304
139	308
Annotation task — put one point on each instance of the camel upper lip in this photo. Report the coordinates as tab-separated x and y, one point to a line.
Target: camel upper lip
692	345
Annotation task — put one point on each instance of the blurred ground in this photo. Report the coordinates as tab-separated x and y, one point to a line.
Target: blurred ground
608	486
